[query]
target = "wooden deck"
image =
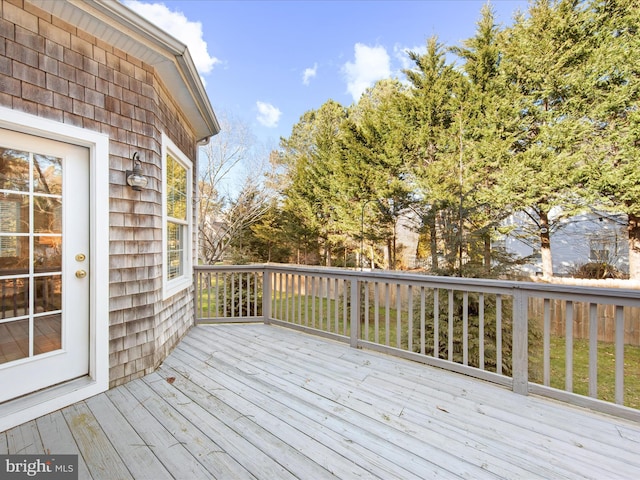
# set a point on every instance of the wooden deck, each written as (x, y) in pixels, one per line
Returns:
(258, 401)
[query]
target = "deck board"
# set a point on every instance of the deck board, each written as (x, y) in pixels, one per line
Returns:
(56, 437)
(265, 402)
(134, 453)
(96, 449)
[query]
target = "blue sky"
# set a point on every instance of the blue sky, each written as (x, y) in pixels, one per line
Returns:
(266, 62)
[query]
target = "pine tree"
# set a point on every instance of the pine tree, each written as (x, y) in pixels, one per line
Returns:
(542, 56)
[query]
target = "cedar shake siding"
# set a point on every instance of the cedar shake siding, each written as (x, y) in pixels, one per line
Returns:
(52, 69)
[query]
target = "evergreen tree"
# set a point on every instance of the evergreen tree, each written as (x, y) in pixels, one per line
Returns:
(543, 54)
(610, 95)
(429, 110)
(373, 168)
(309, 180)
(485, 141)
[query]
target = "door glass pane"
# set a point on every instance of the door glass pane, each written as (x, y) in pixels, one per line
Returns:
(14, 255)
(14, 340)
(47, 333)
(48, 293)
(14, 213)
(47, 254)
(30, 244)
(47, 175)
(14, 297)
(14, 170)
(47, 214)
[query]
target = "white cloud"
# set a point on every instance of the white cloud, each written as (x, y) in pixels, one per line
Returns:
(309, 73)
(177, 25)
(402, 55)
(268, 115)
(371, 64)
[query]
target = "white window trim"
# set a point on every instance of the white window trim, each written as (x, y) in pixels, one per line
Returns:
(176, 285)
(31, 406)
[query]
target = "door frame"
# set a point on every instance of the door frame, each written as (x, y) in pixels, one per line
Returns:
(31, 406)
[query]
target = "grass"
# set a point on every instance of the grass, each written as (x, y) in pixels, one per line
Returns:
(606, 370)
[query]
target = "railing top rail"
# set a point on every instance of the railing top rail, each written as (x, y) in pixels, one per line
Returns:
(619, 296)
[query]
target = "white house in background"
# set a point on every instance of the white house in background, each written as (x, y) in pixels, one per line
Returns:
(590, 237)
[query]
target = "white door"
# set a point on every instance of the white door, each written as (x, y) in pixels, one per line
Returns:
(44, 263)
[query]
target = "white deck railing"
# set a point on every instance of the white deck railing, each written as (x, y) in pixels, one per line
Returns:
(530, 337)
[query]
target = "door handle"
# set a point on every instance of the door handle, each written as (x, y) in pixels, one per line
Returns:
(81, 273)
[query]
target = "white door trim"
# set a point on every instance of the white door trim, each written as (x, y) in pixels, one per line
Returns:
(40, 403)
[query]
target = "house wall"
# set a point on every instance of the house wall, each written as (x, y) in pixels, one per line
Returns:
(572, 242)
(51, 69)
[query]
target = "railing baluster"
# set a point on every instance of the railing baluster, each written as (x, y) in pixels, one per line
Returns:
(225, 303)
(619, 355)
(328, 293)
(287, 307)
(568, 369)
(593, 350)
(499, 334)
(465, 328)
(256, 278)
(240, 303)
(267, 296)
(321, 300)
(520, 343)
(313, 302)
(355, 323)
(365, 286)
(387, 316)
(376, 295)
(300, 277)
(346, 300)
(398, 316)
(481, 331)
(279, 293)
(436, 323)
(546, 343)
(450, 331)
(233, 295)
(336, 306)
(422, 320)
(410, 319)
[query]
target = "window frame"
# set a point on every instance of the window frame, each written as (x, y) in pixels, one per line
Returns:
(171, 287)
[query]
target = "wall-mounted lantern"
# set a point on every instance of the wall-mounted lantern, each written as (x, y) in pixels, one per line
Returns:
(135, 178)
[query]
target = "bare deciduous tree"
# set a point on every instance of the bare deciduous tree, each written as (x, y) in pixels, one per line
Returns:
(232, 194)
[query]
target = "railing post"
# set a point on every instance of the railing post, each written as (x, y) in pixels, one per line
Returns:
(266, 296)
(355, 313)
(520, 345)
(197, 296)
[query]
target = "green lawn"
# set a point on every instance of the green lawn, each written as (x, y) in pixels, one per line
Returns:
(606, 370)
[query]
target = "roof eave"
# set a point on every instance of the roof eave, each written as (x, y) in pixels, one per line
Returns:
(120, 26)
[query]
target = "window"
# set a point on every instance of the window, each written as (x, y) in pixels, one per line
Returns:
(177, 218)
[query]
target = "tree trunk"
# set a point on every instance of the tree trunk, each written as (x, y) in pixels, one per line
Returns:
(545, 245)
(634, 247)
(387, 259)
(433, 242)
(487, 254)
(394, 259)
